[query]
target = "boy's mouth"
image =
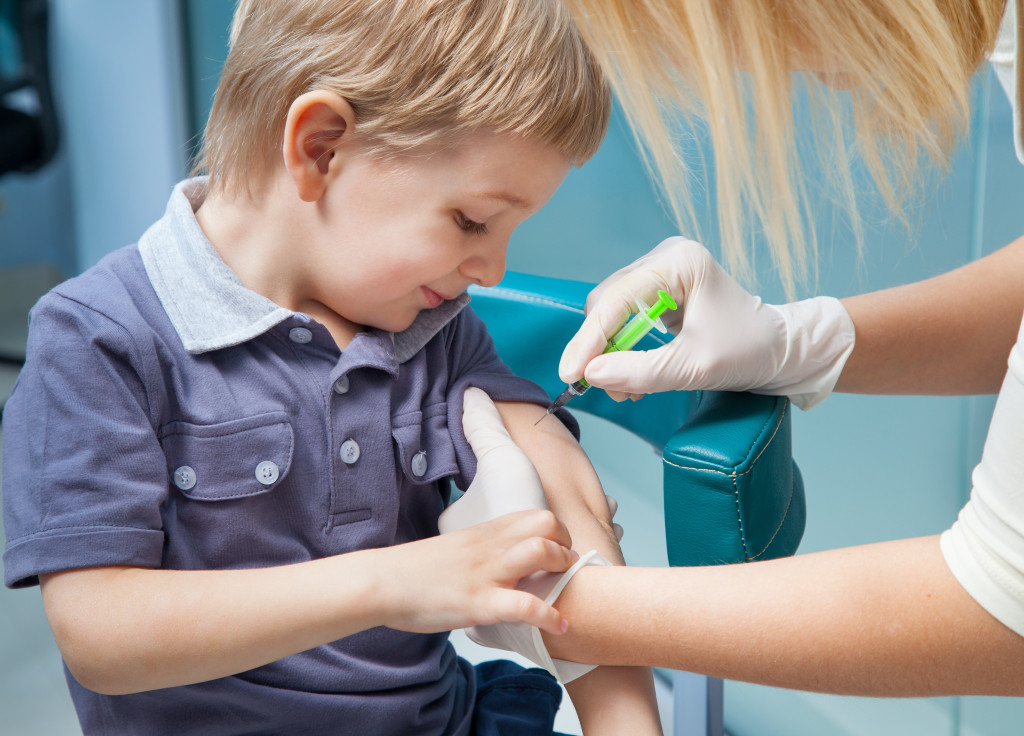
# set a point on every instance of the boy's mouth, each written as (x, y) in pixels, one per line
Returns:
(433, 298)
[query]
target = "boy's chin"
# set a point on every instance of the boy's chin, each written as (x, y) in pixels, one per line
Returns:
(396, 324)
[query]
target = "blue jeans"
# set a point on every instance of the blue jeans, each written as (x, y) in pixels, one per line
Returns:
(512, 701)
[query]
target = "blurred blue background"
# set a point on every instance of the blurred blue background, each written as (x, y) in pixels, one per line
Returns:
(134, 80)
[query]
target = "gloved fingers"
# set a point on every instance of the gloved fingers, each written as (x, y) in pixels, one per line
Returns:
(619, 396)
(592, 338)
(609, 307)
(482, 423)
(516, 606)
(634, 373)
(506, 482)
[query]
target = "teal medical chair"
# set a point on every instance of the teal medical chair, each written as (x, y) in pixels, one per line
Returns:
(732, 492)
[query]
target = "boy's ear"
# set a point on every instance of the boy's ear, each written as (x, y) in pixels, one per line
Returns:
(316, 124)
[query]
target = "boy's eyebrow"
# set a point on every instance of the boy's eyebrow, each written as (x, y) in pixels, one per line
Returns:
(507, 198)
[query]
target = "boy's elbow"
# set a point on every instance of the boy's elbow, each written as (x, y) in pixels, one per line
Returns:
(93, 662)
(86, 638)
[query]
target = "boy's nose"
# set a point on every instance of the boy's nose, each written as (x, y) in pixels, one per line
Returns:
(487, 267)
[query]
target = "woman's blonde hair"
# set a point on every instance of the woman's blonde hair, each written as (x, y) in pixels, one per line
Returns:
(725, 65)
(414, 71)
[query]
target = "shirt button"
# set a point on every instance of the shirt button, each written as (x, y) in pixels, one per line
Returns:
(185, 478)
(341, 385)
(419, 464)
(300, 335)
(349, 452)
(267, 472)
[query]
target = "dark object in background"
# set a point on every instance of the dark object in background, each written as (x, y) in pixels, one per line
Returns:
(28, 132)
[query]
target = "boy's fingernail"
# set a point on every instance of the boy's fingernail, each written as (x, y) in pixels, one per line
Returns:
(565, 625)
(575, 555)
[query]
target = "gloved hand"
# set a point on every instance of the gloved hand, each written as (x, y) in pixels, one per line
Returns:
(726, 339)
(505, 482)
(526, 640)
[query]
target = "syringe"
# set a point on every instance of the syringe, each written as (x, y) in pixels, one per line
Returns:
(628, 335)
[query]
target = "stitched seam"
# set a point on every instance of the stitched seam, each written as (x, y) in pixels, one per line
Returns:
(224, 433)
(739, 519)
(734, 473)
(785, 515)
(734, 476)
(135, 358)
(47, 531)
(524, 297)
(760, 434)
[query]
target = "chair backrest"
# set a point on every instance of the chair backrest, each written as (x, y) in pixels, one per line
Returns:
(732, 490)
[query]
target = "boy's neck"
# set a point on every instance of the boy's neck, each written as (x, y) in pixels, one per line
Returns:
(258, 240)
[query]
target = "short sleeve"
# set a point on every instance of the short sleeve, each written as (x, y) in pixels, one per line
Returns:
(474, 361)
(84, 476)
(1007, 63)
(985, 547)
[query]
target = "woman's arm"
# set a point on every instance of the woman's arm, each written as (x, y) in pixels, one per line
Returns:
(611, 700)
(947, 335)
(123, 630)
(885, 619)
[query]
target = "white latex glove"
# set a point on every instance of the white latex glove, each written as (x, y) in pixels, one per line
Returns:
(726, 339)
(525, 639)
(506, 482)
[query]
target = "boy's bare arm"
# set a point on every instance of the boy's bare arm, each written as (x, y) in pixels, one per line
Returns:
(611, 700)
(124, 629)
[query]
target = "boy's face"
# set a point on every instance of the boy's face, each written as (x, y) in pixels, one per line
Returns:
(401, 234)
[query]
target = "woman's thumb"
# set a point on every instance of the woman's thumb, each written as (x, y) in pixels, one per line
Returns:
(482, 423)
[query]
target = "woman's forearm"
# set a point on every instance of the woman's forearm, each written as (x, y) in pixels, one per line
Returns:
(885, 619)
(949, 335)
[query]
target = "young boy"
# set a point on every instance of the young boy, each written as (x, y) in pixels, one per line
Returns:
(225, 458)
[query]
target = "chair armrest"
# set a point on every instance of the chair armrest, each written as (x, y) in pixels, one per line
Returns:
(732, 490)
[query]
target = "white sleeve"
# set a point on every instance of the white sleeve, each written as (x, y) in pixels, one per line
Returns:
(985, 547)
(1007, 66)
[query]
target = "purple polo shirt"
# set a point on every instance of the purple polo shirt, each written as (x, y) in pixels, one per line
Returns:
(167, 417)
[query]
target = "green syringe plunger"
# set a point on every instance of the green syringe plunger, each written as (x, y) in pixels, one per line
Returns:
(628, 335)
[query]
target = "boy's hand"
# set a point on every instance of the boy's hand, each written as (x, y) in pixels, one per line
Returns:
(468, 577)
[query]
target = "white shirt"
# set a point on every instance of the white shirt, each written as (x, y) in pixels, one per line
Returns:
(985, 547)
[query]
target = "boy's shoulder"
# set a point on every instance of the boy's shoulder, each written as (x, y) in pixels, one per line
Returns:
(116, 288)
(104, 286)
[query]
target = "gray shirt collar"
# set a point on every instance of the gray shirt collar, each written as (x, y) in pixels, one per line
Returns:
(207, 303)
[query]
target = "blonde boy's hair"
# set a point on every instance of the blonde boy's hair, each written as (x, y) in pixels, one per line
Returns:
(911, 62)
(414, 71)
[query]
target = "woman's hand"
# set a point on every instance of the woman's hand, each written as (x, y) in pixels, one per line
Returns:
(726, 339)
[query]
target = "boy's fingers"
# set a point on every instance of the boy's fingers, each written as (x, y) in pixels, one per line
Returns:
(536, 554)
(515, 605)
(535, 523)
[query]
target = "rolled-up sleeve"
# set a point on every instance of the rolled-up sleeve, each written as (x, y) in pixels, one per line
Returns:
(985, 547)
(84, 476)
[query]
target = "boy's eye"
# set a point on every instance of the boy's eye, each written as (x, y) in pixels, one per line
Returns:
(470, 226)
